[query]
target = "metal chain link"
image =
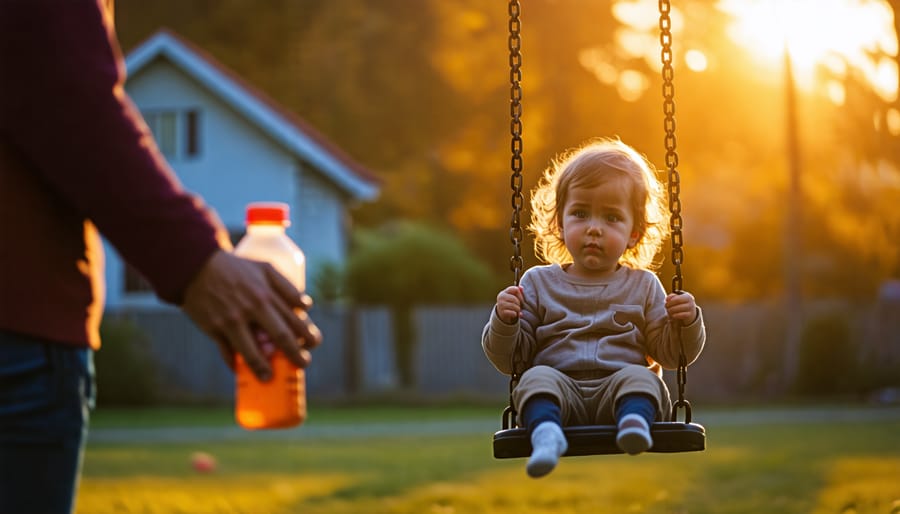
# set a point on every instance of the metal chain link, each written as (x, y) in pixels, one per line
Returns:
(674, 182)
(668, 89)
(516, 262)
(676, 222)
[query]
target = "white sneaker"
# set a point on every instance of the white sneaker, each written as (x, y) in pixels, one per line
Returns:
(548, 443)
(634, 434)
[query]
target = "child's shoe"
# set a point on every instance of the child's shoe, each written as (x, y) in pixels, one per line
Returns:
(548, 443)
(634, 434)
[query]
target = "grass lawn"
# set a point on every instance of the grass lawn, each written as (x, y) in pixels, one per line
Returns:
(767, 467)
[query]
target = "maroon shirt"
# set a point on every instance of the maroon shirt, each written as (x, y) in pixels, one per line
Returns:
(74, 154)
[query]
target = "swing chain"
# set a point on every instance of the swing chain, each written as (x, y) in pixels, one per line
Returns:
(682, 402)
(516, 263)
(676, 222)
(674, 187)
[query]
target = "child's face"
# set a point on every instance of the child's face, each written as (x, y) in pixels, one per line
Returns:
(598, 226)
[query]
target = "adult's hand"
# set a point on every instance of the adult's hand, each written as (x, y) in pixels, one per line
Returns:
(232, 295)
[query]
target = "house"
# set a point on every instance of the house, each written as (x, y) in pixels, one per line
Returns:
(232, 145)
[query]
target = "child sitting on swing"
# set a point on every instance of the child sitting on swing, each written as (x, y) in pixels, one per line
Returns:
(596, 322)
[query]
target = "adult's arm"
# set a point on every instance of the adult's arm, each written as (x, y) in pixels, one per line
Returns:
(62, 103)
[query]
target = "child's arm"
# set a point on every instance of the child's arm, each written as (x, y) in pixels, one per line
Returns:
(682, 307)
(509, 304)
(674, 312)
(503, 332)
(683, 311)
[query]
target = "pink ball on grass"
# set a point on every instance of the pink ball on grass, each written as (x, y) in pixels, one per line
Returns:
(203, 462)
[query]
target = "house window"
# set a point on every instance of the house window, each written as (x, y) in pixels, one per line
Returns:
(135, 282)
(192, 136)
(177, 132)
(163, 126)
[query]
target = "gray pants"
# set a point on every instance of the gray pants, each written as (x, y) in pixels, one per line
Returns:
(592, 401)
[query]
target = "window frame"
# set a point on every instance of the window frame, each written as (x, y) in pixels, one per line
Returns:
(178, 132)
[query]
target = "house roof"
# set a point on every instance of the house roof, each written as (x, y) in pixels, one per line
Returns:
(295, 134)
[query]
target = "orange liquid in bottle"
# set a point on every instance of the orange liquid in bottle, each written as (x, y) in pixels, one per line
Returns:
(281, 401)
(278, 403)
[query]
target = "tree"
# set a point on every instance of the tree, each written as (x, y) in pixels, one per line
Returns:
(407, 264)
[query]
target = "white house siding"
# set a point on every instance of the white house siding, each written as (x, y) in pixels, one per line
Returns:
(237, 164)
(320, 228)
(115, 283)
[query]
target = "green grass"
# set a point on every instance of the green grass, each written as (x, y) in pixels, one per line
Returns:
(224, 417)
(832, 467)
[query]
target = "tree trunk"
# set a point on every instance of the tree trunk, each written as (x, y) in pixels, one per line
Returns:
(895, 6)
(893, 149)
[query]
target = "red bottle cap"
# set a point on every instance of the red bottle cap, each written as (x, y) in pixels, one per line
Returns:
(268, 213)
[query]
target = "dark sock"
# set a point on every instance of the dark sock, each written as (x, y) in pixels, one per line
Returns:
(540, 408)
(640, 404)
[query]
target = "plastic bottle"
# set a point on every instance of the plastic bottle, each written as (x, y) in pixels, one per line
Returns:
(281, 401)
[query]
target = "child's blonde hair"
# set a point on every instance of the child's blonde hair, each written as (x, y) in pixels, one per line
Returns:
(593, 163)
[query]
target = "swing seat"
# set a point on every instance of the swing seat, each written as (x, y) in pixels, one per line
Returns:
(668, 437)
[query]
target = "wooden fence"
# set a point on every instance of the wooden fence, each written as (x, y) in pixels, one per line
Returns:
(743, 357)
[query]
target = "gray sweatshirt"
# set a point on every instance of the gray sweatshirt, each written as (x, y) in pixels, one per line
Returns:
(578, 324)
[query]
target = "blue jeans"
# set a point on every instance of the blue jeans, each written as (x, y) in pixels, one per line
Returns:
(46, 393)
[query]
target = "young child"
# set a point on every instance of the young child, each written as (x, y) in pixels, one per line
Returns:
(597, 323)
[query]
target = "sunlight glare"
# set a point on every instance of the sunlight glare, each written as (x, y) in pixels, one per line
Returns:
(639, 34)
(595, 60)
(642, 15)
(819, 32)
(637, 38)
(696, 60)
(836, 92)
(893, 122)
(885, 79)
(632, 85)
(638, 44)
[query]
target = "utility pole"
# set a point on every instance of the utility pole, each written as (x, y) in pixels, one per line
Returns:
(793, 234)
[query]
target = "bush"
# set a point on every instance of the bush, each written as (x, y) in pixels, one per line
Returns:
(415, 264)
(124, 368)
(409, 264)
(327, 285)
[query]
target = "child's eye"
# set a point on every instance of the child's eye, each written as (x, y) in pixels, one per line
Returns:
(613, 218)
(579, 213)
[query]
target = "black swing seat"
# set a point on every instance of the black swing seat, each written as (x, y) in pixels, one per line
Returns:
(668, 437)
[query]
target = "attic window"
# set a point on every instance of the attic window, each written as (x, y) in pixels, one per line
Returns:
(177, 132)
(162, 124)
(191, 125)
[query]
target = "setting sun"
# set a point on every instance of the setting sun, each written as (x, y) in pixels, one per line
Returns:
(835, 34)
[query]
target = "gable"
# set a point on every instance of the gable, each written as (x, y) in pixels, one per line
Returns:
(285, 129)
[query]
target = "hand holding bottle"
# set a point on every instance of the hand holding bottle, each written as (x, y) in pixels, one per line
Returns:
(231, 294)
(281, 401)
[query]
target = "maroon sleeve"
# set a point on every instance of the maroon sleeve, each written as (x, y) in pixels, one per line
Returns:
(62, 103)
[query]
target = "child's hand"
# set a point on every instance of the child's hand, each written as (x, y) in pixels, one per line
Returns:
(509, 304)
(682, 307)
